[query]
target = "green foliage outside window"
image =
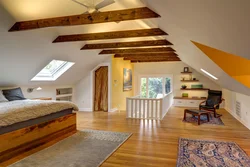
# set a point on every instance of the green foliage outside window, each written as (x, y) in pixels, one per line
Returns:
(155, 87)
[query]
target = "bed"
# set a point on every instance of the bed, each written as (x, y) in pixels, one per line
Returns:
(27, 124)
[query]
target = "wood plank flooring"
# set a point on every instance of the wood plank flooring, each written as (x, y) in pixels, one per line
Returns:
(155, 143)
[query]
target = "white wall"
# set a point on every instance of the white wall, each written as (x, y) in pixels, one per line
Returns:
(84, 89)
(175, 69)
(82, 96)
(230, 105)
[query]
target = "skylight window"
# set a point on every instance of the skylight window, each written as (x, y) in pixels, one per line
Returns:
(212, 76)
(53, 70)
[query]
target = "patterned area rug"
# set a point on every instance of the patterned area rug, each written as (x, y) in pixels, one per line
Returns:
(213, 120)
(201, 153)
(88, 148)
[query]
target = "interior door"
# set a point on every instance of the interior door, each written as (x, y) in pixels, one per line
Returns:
(101, 89)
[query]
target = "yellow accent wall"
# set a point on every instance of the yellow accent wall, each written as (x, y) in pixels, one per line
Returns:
(235, 66)
(118, 95)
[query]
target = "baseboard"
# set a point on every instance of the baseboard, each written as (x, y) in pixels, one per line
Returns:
(237, 117)
(113, 110)
(85, 109)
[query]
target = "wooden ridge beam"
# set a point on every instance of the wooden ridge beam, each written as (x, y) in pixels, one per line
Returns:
(127, 44)
(146, 55)
(83, 19)
(156, 60)
(138, 50)
(150, 58)
(111, 35)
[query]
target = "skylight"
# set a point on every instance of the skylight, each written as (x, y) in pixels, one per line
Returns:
(53, 70)
(209, 74)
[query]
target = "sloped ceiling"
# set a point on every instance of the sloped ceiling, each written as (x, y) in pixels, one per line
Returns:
(23, 54)
(222, 24)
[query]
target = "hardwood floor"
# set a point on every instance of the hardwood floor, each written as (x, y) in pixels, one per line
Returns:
(155, 143)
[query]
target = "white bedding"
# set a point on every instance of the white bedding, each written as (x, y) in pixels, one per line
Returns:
(23, 110)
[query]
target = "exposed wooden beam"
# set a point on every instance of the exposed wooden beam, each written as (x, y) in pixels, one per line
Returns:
(111, 35)
(153, 58)
(156, 60)
(83, 19)
(138, 50)
(150, 58)
(146, 55)
(127, 44)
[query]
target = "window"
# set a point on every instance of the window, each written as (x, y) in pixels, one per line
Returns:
(155, 86)
(53, 70)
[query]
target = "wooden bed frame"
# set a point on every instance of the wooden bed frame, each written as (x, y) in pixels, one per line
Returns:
(23, 140)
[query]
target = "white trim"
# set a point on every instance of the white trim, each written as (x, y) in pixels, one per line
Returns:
(85, 110)
(113, 110)
(92, 85)
(238, 118)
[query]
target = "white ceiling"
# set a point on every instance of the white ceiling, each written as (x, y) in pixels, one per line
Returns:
(222, 24)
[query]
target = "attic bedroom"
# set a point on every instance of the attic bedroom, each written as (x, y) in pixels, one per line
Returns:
(109, 83)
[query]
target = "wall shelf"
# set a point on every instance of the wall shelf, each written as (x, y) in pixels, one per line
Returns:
(189, 80)
(186, 72)
(201, 89)
(64, 94)
(189, 98)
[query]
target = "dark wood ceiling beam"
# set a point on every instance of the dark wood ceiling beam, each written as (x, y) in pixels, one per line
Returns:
(138, 50)
(150, 58)
(146, 55)
(111, 35)
(83, 19)
(127, 44)
(157, 60)
(153, 58)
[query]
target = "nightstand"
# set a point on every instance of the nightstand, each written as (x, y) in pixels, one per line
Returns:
(42, 98)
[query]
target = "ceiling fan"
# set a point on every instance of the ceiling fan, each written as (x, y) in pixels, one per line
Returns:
(92, 7)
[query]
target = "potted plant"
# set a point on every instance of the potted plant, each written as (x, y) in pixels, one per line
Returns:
(184, 86)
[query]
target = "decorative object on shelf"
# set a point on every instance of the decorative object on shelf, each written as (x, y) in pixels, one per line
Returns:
(186, 69)
(194, 79)
(197, 86)
(183, 78)
(190, 77)
(184, 86)
(184, 94)
(127, 79)
(203, 97)
(30, 90)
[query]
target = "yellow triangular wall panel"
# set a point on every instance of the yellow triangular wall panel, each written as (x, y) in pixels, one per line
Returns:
(235, 66)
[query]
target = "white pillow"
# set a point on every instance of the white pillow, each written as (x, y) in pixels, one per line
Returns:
(2, 98)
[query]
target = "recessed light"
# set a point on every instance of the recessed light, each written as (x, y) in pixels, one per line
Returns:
(209, 74)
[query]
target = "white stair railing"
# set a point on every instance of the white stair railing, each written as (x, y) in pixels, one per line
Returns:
(148, 108)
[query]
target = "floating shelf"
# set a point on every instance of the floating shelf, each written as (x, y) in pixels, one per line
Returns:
(190, 98)
(202, 89)
(189, 80)
(63, 95)
(186, 72)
